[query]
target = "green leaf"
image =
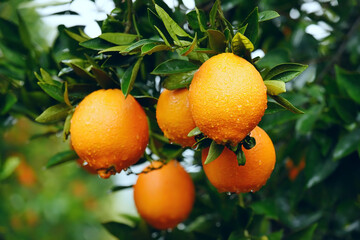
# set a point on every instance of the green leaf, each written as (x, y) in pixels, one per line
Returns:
(240, 156)
(214, 152)
(306, 233)
(276, 235)
(217, 40)
(67, 124)
(275, 87)
(241, 45)
(62, 157)
(163, 36)
(150, 48)
(197, 20)
(180, 80)
(75, 36)
(81, 72)
(350, 81)
(7, 103)
(129, 77)
(285, 72)
(252, 23)
(46, 77)
(146, 101)
(54, 113)
(137, 45)
(24, 32)
(186, 51)
(173, 66)
(347, 144)
(9, 166)
(213, 13)
(115, 49)
(286, 104)
(266, 207)
(267, 15)
(119, 38)
(119, 230)
(171, 26)
(96, 44)
(194, 132)
(273, 107)
(119, 188)
(104, 80)
(53, 91)
(307, 121)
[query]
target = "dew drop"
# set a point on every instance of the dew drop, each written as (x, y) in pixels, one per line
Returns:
(228, 193)
(252, 190)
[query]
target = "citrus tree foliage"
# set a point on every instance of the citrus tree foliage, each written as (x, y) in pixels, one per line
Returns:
(145, 45)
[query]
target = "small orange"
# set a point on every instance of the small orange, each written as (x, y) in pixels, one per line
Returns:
(227, 98)
(227, 176)
(295, 170)
(108, 131)
(164, 197)
(174, 116)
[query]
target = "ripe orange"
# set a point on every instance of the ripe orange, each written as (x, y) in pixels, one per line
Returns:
(295, 170)
(227, 176)
(174, 116)
(164, 197)
(108, 131)
(227, 98)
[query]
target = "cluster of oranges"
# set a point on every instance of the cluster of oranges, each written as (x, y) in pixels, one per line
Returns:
(225, 101)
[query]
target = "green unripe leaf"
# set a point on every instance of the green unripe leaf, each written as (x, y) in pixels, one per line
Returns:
(214, 152)
(54, 113)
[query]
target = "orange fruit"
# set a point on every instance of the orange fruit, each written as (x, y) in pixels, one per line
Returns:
(164, 197)
(227, 176)
(108, 131)
(295, 170)
(227, 98)
(174, 116)
(84, 165)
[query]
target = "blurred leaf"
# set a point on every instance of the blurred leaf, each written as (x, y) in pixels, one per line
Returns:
(267, 15)
(266, 208)
(241, 45)
(286, 104)
(345, 107)
(238, 235)
(350, 82)
(9, 166)
(53, 91)
(320, 172)
(24, 33)
(252, 22)
(75, 36)
(306, 121)
(217, 40)
(129, 77)
(96, 44)
(7, 102)
(347, 144)
(119, 188)
(273, 107)
(213, 13)
(81, 72)
(275, 87)
(276, 235)
(214, 152)
(61, 158)
(119, 38)
(179, 80)
(119, 230)
(173, 66)
(146, 101)
(285, 72)
(304, 234)
(9, 30)
(54, 113)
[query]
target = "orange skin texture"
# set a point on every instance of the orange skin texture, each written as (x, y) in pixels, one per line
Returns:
(108, 131)
(164, 197)
(174, 116)
(227, 176)
(227, 98)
